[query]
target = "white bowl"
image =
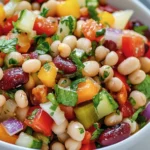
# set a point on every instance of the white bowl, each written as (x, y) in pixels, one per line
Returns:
(143, 14)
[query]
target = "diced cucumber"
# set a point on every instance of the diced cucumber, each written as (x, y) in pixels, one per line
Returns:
(54, 111)
(86, 114)
(26, 21)
(93, 3)
(28, 141)
(44, 139)
(66, 26)
(104, 104)
(79, 53)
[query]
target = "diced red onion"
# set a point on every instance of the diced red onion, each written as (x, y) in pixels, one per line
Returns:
(146, 112)
(12, 126)
(114, 35)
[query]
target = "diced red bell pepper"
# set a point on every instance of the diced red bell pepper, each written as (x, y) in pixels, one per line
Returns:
(39, 121)
(120, 56)
(148, 52)
(90, 146)
(87, 138)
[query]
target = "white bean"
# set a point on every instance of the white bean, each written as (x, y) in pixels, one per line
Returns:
(85, 44)
(71, 144)
(106, 73)
(114, 84)
(1, 73)
(91, 68)
(35, 6)
(70, 40)
(133, 125)
(59, 129)
(23, 5)
(145, 64)
(78, 30)
(2, 100)
(113, 119)
(139, 98)
(64, 50)
(57, 146)
(31, 65)
(76, 130)
(101, 52)
(137, 77)
(63, 137)
(30, 84)
(129, 65)
(54, 48)
(45, 58)
(21, 99)
(111, 59)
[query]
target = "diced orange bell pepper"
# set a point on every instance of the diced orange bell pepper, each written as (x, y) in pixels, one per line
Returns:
(47, 74)
(68, 7)
(106, 18)
(2, 14)
(87, 90)
(4, 136)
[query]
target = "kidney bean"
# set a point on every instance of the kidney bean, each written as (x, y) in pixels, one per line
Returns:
(66, 65)
(110, 45)
(32, 55)
(13, 78)
(108, 8)
(114, 135)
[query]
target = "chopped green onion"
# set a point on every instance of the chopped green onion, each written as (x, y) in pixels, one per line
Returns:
(100, 32)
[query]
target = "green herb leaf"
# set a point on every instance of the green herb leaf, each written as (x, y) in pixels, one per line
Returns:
(7, 46)
(13, 61)
(140, 29)
(44, 12)
(32, 116)
(47, 66)
(132, 101)
(66, 96)
(93, 3)
(100, 32)
(94, 46)
(81, 130)
(55, 37)
(29, 130)
(74, 84)
(135, 115)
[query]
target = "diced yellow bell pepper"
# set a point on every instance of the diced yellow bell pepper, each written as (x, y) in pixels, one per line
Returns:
(106, 18)
(68, 7)
(47, 74)
(2, 14)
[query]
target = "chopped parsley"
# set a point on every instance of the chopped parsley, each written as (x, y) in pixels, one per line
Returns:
(47, 66)
(132, 101)
(44, 12)
(118, 112)
(100, 32)
(33, 114)
(81, 130)
(105, 75)
(141, 29)
(7, 46)
(135, 115)
(94, 46)
(51, 97)
(13, 61)
(55, 37)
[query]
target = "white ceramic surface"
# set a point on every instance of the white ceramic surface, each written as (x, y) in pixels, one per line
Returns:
(141, 13)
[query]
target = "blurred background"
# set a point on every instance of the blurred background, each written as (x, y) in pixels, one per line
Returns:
(146, 2)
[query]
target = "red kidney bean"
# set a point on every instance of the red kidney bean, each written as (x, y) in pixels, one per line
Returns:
(115, 134)
(32, 55)
(13, 78)
(108, 8)
(110, 45)
(66, 65)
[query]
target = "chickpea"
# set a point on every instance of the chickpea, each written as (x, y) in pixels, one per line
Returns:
(76, 130)
(85, 44)
(30, 84)
(52, 6)
(63, 137)
(113, 119)
(137, 76)
(70, 40)
(64, 50)
(78, 30)
(31, 65)
(44, 58)
(145, 64)
(129, 65)
(64, 82)
(54, 48)
(97, 79)
(35, 6)
(59, 129)
(101, 52)
(21, 99)
(134, 127)
(106, 72)
(57, 146)
(91, 68)
(114, 84)
(23, 5)
(1, 73)
(71, 144)
(139, 98)
(111, 59)
(14, 59)
(2, 100)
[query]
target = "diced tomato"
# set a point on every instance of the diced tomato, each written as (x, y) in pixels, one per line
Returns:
(126, 109)
(89, 29)
(46, 26)
(122, 78)
(1, 30)
(90, 146)
(39, 121)
(92, 128)
(132, 46)
(69, 112)
(40, 1)
(8, 25)
(87, 138)
(120, 56)
(148, 52)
